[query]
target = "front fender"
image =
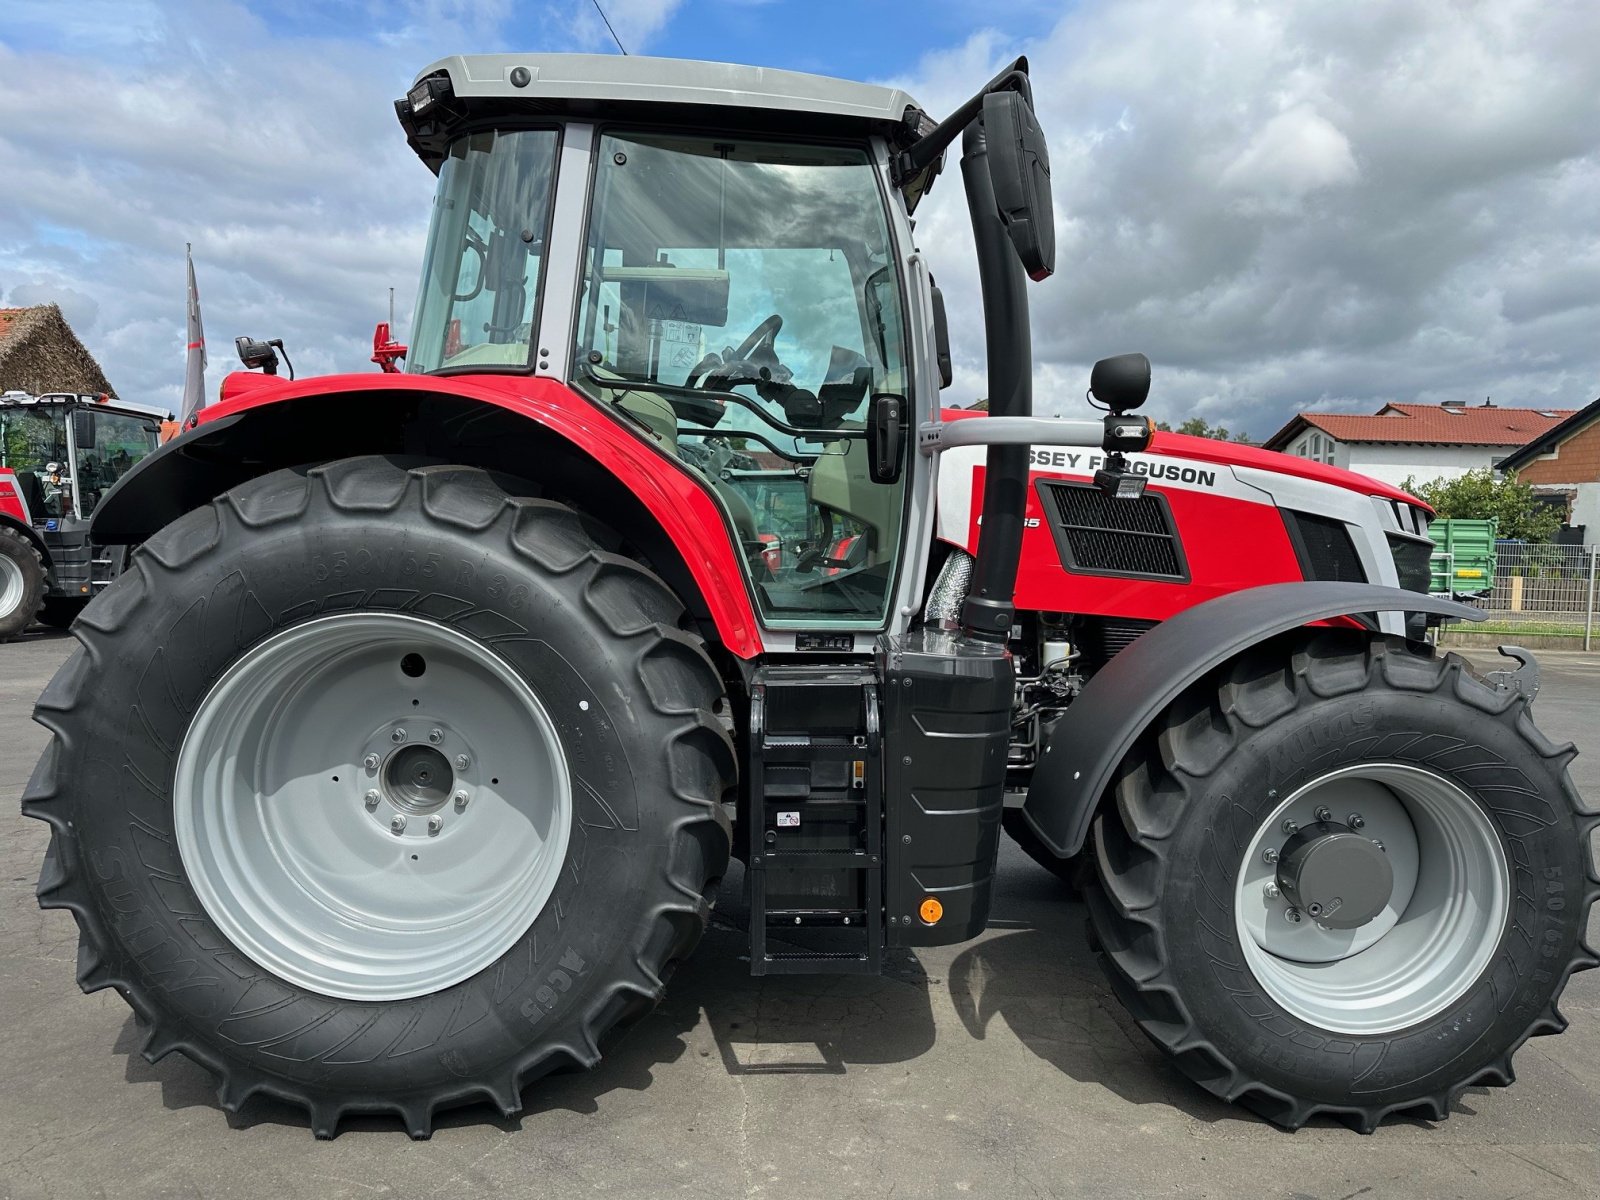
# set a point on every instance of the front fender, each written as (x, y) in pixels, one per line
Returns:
(531, 428)
(1083, 750)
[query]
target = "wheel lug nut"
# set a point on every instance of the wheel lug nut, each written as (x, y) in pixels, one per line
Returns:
(1271, 890)
(1314, 908)
(1269, 855)
(398, 825)
(1323, 814)
(399, 735)
(435, 823)
(461, 800)
(462, 762)
(1356, 821)
(436, 736)
(370, 762)
(1292, 916)
(1291, 826)
(372, 798)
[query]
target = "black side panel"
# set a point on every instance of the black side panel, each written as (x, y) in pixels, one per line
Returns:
(1120, 700)
(947, 723)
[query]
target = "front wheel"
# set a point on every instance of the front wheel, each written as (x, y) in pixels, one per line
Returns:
(377, 789)
(1352, 879)
(21, 583)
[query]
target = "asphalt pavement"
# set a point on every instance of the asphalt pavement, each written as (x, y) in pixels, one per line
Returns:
(1003, 1067)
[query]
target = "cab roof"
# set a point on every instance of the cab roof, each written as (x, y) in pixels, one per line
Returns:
(674, 89)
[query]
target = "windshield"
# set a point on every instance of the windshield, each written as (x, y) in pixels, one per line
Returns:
(747, 291)
(32, 440)
(481, 273)
(109, 443)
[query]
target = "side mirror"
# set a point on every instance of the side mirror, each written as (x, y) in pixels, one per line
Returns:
(83, 428)
(941, 339)
(886, 435)
(1122, 382)
(1019, 167)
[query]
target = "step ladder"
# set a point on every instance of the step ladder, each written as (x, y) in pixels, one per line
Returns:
(816, 836)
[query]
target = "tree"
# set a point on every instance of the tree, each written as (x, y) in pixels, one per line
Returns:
(1479, 495)
(1197, 427)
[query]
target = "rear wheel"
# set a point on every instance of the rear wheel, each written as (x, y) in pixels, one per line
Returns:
(1352, 879)
(21, 582)
(400, 792)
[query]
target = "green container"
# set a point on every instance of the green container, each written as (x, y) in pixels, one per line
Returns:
(1463, 556)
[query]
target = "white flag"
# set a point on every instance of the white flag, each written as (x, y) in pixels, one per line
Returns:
(194, 378)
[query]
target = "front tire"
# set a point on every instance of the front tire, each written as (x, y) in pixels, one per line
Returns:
(276, 893)
(1433, 939)
(22, 580)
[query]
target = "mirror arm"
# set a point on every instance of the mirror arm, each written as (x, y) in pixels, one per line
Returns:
(924, 151)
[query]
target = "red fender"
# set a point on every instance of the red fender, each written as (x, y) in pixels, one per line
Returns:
(686, 512)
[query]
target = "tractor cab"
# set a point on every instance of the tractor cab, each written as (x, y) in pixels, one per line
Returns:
(720, 257)
(60, 453)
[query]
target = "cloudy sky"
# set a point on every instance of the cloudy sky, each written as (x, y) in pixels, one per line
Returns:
(1285, 204)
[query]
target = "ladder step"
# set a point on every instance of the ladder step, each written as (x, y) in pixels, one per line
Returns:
(798, 962)
(815, 860)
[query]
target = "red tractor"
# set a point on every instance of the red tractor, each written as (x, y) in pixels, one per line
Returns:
(403, 764)
(59, 453)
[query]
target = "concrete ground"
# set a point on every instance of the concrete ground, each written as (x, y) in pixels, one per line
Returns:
(1000, 1068)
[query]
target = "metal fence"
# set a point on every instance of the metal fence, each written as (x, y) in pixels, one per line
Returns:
(1546, 586)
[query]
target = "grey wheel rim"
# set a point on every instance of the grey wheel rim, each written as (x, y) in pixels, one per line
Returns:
(1437, 932)
(372, 806)
(12, 586)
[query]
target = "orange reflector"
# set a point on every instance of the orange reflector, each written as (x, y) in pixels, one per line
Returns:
(931, 911)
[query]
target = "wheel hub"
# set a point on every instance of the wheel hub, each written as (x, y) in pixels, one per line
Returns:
(1335, 874)
(418, 779)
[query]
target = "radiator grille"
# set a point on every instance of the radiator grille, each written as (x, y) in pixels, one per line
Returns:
(1324, 548)
(1099, 534)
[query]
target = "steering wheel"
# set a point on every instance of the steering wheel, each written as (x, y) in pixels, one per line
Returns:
(764, 332)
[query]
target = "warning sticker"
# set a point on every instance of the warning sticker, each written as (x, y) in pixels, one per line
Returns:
(788, 820)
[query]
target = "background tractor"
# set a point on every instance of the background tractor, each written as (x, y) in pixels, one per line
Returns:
(402, 766)
(59, 454)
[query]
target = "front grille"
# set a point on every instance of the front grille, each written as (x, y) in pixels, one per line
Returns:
(1097, 534)
(1413, 559)
(1324, 548)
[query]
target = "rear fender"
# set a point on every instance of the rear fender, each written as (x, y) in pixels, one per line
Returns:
(526, 428)
(1085, 747)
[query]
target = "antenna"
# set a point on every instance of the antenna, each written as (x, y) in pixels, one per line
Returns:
(609, 30)
(391, 308)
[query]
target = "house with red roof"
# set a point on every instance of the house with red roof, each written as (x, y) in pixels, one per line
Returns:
(1564, 464)
(1424, 441)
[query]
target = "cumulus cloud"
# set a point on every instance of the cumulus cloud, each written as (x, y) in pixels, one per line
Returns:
(1301, 205)
(1286, 205)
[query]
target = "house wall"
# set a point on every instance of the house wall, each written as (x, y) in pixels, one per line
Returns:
(1395, 462)
(1576, 460)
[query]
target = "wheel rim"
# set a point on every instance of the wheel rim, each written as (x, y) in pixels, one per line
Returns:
(318, 832)
(1436, 933)
(12, 586)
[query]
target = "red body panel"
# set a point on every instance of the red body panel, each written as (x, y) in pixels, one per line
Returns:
(1227, 545)
(11, 502)
(690, 517)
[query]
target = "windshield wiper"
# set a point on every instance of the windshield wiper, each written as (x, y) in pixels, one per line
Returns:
(627, 384)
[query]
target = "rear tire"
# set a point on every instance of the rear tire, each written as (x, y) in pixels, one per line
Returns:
(21, 583)
(152, 807)
(1406, 1011)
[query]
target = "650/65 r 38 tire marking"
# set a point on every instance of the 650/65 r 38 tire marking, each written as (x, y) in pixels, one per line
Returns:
(595, 637)
(1291, 1020)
